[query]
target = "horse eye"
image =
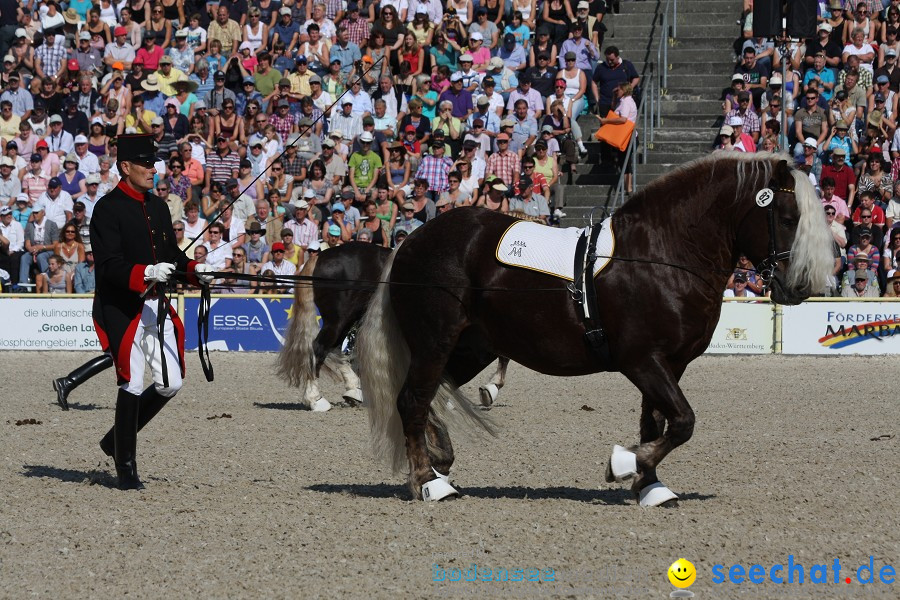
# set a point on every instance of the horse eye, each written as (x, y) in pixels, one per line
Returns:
(789, 223)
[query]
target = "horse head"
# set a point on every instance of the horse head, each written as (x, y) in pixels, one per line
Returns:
(786, 236)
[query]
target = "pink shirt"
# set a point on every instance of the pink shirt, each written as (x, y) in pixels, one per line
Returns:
(840, 207)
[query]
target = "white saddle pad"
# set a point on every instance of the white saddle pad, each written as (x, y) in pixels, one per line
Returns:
(551, 250)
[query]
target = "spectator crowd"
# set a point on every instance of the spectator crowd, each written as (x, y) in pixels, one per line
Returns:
(839, 103)
(324, 121)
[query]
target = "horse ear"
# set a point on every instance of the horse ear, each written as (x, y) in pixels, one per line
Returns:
(783, 172)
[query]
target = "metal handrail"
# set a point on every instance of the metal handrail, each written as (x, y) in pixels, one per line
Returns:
(650, 111)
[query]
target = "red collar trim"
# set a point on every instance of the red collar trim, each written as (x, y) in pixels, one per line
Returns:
(130, 191)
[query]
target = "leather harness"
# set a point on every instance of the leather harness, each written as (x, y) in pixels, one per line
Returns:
(585, 294)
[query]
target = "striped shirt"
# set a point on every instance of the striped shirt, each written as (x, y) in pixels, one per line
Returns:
(222, 168)
(304, 232)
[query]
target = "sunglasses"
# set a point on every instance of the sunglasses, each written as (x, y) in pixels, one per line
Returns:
(278, 251)
(831, 212)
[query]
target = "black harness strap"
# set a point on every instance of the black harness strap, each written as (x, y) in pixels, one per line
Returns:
(203, 332)
(585, 294)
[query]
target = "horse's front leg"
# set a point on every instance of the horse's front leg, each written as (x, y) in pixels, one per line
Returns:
(663, 403)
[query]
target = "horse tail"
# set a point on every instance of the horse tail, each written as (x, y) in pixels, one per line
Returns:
(383, 364)
(297, 360)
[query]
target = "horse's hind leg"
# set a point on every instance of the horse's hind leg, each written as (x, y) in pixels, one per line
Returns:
(440, 449)
(463, 366)
(490, 391)
(663, 403)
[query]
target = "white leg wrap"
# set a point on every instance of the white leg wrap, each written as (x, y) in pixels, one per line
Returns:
(440, 476)
(321, 405)
(353, 395)
(623, 463)
(437, 489)
(655, 494)
(489, 394)
(312, 392)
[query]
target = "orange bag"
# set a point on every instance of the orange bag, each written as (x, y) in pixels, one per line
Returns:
(617, 136)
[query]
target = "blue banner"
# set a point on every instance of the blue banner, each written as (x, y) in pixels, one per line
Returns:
(248, 324)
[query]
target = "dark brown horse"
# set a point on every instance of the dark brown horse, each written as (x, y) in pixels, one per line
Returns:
(451, 308)
(343, 281)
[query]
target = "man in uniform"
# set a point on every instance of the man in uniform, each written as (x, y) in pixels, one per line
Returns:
(136, 253)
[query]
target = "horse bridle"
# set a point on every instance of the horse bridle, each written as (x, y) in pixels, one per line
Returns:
(766, 269)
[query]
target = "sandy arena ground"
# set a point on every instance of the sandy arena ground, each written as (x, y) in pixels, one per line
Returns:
(790, 456)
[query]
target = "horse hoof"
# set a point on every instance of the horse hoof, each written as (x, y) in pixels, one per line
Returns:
(622, 465)
(353, 397)
(489, 394)
(321, 405)
(437, 489)
(657, 494)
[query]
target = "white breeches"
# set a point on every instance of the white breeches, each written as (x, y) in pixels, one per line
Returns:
(146, 350)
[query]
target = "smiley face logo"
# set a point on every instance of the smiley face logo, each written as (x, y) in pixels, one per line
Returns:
(682, 573)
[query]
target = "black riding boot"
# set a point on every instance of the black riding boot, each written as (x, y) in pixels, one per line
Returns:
(126, 428)
(64, 385)
(150, 404)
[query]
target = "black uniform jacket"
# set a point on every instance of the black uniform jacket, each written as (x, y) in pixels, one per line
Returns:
(130, 230)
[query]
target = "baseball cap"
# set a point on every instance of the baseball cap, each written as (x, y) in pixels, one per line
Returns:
(232, 182)
(54, 182)
(165, 60)
(81, 139)
(328, 143)
(181, 33)
(495, 63)
(570, 56)
(825, 27)
(337, 206)
(841, 125)
(811, 142)
(482, 101)
(547, 128)
(278, 246)
(313, 79)
(120, 31)
(890, 52)
(284, 11)
(476, 35)
(84, 35)
(524, 182)
(5, 211)
(865, 231)
(457, 76)
(737, 77)
(334, 230)
(54, 119)
(882, 79)
(23, 198)
(726, 130)
(509, 39)
(466, 58)
(92, 178)
(36, 157)
(301, 204)
(309, 193)
(862, 274)
(735, 120)
(410, 128)
(839, 152)
(582, 4)
(740, 277)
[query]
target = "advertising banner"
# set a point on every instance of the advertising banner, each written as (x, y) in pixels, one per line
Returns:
(255, 324)
(743, 328)
(841, 328)
(47, 324)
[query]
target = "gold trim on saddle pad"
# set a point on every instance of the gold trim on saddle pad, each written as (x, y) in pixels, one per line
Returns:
(550, 250)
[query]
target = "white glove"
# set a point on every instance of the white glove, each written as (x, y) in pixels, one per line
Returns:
(159, 272)
(203, 268)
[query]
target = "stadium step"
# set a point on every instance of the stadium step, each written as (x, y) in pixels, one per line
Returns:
(705, 7)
